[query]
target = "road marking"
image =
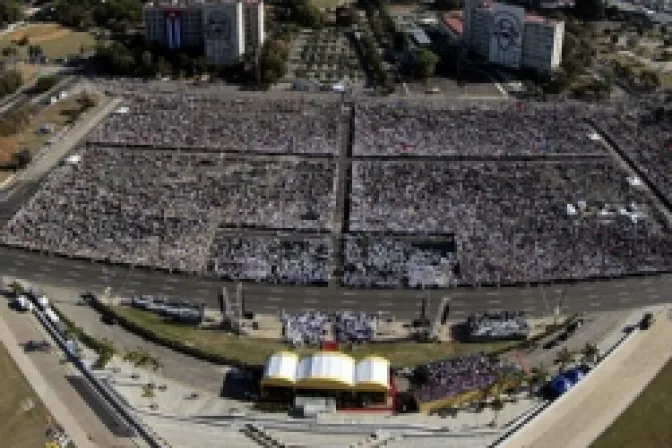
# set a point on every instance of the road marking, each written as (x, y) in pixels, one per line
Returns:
(588, 288)
(622, 293)
(650, 290)
(135, 283)
(277, 290)
(624, 299)
(19, 263)
(594, 304)
(458, 312)
(350, 293)
(530, 309)
(348, 302)
(270, 307)
(494, 302)
(172, 280)
(168, 288)
(386, 304)
(274, 299)
(69, 280)
(592, 296)
(654, 297)
(40, 274)
(492, 293)
(620, 285)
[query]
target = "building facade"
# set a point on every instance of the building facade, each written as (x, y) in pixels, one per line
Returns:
(223, 30)
(505, 35)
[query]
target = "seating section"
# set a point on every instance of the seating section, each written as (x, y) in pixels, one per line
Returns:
(454, 376)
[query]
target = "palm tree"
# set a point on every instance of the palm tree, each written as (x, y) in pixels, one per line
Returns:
(497, 405)
(537, 378)
(133, 357)
(590, 353)
(564, 357)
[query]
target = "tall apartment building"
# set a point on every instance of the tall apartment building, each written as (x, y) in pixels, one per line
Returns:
(506, 35)
(223, 29)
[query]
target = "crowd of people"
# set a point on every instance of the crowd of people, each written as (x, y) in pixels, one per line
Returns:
(386, 261)
(183, 181)
(494, 129)
(497, 325)
(300, 260)
(510, 219)
(166, 209)
(455, 376)
(239, 125)
(644, 134)
(311, 328)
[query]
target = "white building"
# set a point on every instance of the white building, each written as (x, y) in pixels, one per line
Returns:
(506, 35)
(224, 29)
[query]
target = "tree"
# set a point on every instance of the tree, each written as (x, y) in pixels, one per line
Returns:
(538, 377)
(106, 351)
(425, 63)
(563, 358)
(497, 405)
(21, 159)
(273, 61)
(590, 353)
(589, 9)
(35, 51)
(45, 83)
(10, 11)
(649, 79)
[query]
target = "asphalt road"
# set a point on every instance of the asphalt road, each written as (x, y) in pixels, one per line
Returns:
(264, 298)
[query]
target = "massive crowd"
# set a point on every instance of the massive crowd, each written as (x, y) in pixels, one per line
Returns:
(492, 130)
(243, 125)
(454, 376)
(182, 181)
(167, 210)
(644, 134)
(510, 219)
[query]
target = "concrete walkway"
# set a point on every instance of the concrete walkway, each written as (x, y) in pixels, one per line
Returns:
(578, 418)
(60, 412)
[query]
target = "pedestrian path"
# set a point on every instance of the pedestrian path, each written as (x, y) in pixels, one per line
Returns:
(57, 408)
(579, 417)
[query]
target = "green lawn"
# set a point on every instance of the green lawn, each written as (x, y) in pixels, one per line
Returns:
(646, 423)
(20, 426)
(255, 351)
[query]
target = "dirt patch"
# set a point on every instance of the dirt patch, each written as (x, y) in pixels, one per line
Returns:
(8, 146)
(27, 71)
(37, 33)
(50, 36)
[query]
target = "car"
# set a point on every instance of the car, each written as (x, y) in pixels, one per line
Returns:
(108, 319)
